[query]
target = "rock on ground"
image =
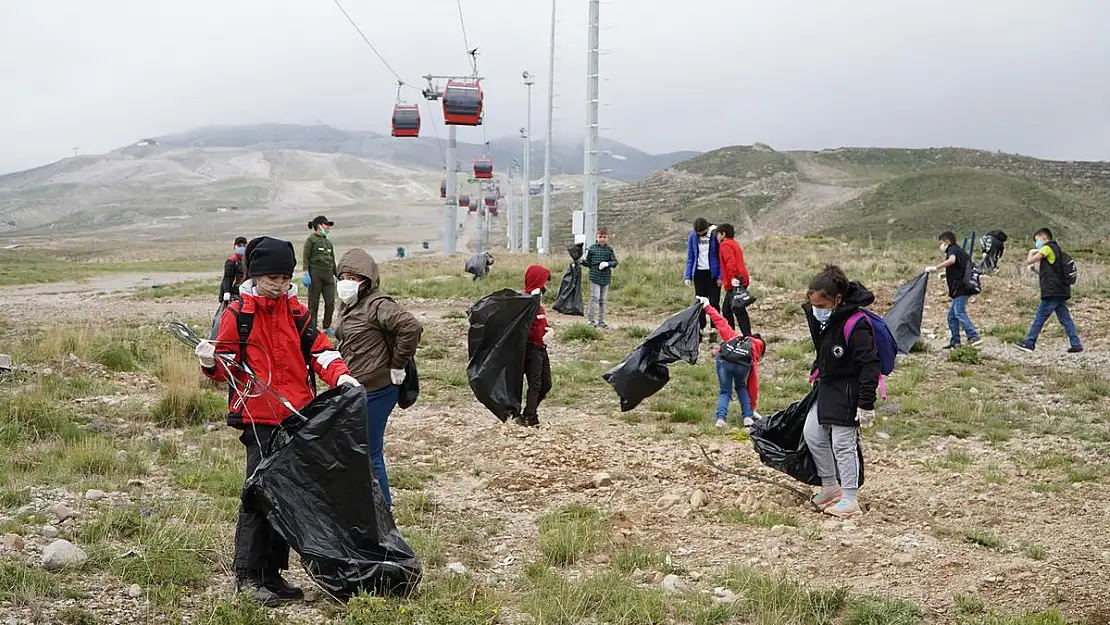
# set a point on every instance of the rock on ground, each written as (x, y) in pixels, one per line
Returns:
(62, 554)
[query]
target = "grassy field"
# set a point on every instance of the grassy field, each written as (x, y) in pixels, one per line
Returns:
(987, 470)
(25, 267)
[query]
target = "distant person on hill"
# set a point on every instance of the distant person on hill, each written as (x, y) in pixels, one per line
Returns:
(319, 270)
(703, 266)
(955, 265)
(1056, 274)
(377, 339)
(537, 365)
(273, 333)
(234, 271)
(737, 368)
(846, 372)
(734, 275)
(601, 260)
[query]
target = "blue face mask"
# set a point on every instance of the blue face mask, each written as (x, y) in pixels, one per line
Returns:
(240, 250)
(822, 315)
(1039, 243)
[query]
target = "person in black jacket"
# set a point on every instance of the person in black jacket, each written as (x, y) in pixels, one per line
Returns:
(847, 376)
(1055, 291)
(235, 272)
(955, 265)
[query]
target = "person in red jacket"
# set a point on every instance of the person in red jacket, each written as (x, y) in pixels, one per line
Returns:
(272, 333)
(733, 274)
(537, 366)
(737, 368)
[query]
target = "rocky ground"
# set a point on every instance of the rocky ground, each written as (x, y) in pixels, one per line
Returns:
(987, 481)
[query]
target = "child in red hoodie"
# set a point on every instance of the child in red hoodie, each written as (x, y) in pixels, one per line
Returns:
(737, 367)
(537, 367)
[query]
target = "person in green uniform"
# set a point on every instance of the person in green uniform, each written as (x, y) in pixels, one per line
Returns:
(319, 270)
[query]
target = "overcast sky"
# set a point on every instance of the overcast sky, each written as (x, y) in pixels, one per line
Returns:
(1018, 75)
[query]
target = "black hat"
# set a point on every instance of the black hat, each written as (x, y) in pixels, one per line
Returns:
(240, 240)
(267, 256)
(320, 221)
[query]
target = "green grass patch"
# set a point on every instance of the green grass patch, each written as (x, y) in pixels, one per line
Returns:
(644, 558)
(758, 518)
(580, 332)
(882, 611)
(984, 539)
(777, 599)
(181, 407)
(443, 599)
(965, 354)
(22, 584)
(1008, 333)
(571, 533)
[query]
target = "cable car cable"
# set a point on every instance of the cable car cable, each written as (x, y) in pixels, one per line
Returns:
(466, 42)
(435, 129)
(371, 44)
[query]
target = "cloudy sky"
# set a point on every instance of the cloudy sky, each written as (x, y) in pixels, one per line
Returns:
(1024, 76)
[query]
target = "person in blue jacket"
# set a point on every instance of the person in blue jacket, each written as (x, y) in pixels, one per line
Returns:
(703, 264)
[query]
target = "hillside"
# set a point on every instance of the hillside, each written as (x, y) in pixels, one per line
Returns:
(622, 162)
(863, 192)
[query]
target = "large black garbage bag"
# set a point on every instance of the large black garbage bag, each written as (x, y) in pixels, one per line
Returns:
(644, 372)
(780, 444)
(496, 341)
(478, 265)
(569, 299)
(316, 489)
(904, 316)
(409, 390)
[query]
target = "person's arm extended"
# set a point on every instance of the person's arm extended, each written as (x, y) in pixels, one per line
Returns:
(719, 322)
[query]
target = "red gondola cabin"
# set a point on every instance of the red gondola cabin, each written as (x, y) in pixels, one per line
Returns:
(464, 201)
(491, 202)
(483, 167)
(442, 188)
(462, 103)
(406, 120)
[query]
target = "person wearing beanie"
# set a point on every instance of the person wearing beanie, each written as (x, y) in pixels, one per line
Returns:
(271, 332)
(320, 273)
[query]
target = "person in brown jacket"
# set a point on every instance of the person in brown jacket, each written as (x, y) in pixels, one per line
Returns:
(377, 339)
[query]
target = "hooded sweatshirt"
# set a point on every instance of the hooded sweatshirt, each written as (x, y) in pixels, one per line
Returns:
(727, 334)
(375, 334)
(536, 277)
(847, 371)
(732, 264)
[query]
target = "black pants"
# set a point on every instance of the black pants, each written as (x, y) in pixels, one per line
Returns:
(734, 319)
(257, 546)
(537, 368)
(322, 283)
(706, 286)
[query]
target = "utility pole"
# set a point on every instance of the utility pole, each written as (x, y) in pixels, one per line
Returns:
(590, 169)
(451, 166)
(546, 230)
(510, 211)
(526, 133)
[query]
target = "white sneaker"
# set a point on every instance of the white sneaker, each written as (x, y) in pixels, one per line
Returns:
(749, 422)
(721, 423)
(757, 416)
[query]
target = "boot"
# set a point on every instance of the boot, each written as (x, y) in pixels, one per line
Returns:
(283, 589)
(531, 420)
(250, 582)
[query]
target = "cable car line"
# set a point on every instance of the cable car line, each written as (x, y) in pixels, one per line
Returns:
(371, 44)
(473, 54)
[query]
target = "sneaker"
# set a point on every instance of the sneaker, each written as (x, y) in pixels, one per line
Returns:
(602, 324)
(283, 589)
(844, 510)
(951, 346)
(822, 500)
(591, 324)
(976, 342)
(1025, 347)
(1075, 350)
(721, 424)
(757, 416)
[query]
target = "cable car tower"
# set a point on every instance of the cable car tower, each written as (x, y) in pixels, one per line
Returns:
(462, 100)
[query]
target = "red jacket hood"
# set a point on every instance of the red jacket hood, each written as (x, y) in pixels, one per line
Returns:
(536, 277)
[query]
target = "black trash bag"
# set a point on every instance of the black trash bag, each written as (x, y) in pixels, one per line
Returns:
(316, 489)
(644, 372)
(780, 444)
(569, 299)
(216, 321)
(904, 316)
(409, 391)
(496, 341)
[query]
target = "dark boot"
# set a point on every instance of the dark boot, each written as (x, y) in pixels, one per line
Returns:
(283, 589)
(250, 582)
(531, 420)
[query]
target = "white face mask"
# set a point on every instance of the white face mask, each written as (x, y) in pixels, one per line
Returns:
(944, 247)
(347, 290)
(822, 315)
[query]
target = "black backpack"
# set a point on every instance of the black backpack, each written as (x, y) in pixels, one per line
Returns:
(737, 351)
(973, 279)
(305, 329)
(1067, 266)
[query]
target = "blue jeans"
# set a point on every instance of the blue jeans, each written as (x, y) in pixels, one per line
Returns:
(1044, 311)
(379, 404)
(730, 376)
(957, 318)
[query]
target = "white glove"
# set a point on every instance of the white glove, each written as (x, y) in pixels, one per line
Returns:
(702, 301)
(397, 376)
(929, 269)
(547, 334)
(603, 264)
(535, 292)
(735, 282)
(206, 353)
(686, 282)
(865, 418)
(227, 297)
(348, 379)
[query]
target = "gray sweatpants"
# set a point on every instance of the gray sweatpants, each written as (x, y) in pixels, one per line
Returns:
(834, 451)
(599, 297)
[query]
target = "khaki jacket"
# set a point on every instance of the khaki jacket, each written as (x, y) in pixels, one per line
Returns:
(374, 333)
